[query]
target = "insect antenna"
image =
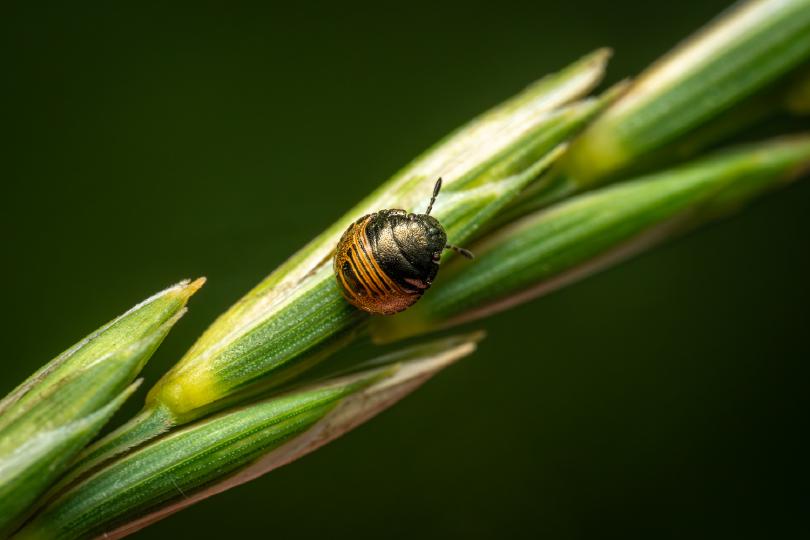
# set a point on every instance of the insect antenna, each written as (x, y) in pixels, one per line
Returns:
(436, 190)
(461, 251)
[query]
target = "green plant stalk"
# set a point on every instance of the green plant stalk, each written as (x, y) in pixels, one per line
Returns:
(299, 307)
(220, 452)
(742, 52)
(580, 231)
(572, 239)
(297, 316)
(55, 413)
(779, 99)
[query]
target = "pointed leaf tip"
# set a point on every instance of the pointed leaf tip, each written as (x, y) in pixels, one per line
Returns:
(65, 404)
(195, 285)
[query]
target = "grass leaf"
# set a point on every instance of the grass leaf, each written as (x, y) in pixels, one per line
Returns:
(47, 420)
(215, 454)
(297, 316)
(568, 241)
(743, 51)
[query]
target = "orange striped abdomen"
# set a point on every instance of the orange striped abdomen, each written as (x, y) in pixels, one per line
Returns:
(361, 279)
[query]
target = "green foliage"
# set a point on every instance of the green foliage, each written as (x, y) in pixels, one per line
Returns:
(47, 420)
(223, 451)
(505, 175)
(552, 247)
(752, 46)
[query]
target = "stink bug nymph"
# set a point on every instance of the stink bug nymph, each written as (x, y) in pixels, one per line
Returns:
(385, 261)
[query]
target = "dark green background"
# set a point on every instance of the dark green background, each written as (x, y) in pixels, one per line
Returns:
(149, 144)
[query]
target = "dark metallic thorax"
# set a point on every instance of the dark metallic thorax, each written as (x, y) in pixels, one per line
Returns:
(407, 246)
(385, 261)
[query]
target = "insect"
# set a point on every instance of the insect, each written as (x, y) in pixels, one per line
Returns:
(385, 261)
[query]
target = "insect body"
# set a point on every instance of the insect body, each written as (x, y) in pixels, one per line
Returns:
(385, 261)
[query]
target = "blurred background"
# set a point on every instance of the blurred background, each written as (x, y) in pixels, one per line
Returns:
(145, 144)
